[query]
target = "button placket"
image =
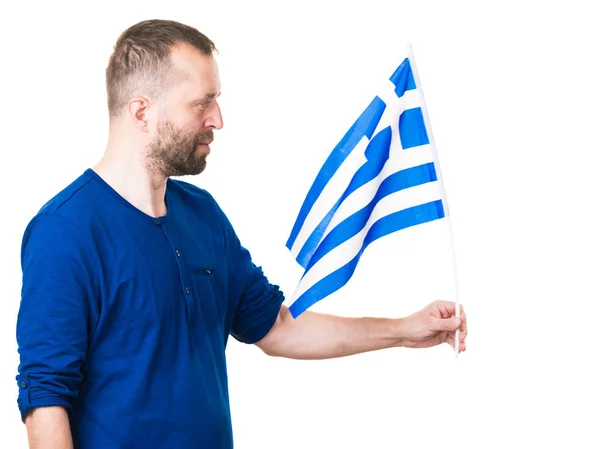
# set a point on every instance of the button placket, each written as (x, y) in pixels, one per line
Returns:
(187, 297)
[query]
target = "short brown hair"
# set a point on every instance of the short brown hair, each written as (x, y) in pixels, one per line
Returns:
(141, 60)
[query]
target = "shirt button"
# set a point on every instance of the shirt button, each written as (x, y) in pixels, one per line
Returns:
(23, 384)
(158, 221)
(208, 271)
(178, 253)
(187, 290)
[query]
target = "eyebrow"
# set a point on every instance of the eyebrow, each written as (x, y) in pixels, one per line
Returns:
(207, 98)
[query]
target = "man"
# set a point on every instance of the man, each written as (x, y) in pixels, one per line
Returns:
(133, 281)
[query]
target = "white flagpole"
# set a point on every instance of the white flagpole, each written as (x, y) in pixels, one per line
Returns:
(438, 170)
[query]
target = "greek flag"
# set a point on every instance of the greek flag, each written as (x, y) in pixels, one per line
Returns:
(382, 177)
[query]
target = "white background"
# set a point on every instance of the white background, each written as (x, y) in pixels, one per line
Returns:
(512, 94)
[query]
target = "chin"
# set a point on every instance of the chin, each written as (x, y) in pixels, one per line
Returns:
(198, 170)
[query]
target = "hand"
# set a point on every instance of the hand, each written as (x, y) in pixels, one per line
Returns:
(433, 325)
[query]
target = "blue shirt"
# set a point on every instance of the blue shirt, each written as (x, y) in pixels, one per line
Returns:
(124, 318)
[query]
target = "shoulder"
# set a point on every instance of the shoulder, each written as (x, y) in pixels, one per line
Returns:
(69, 195)
(61, 216)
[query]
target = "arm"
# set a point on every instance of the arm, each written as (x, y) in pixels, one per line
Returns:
(48, 428)
(320, 336)
(55, 314)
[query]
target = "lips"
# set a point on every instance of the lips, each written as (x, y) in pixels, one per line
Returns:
(204, 147)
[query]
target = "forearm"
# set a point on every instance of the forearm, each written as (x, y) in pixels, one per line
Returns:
(320, 336)
(48, 428)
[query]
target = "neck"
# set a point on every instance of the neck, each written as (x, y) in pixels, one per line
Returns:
(123, 168)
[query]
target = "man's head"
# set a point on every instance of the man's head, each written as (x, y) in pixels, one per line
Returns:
(162, 84)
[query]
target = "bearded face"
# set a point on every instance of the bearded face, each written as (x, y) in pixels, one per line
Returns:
(178, 151)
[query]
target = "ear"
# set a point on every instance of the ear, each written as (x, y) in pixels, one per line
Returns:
(138, 109)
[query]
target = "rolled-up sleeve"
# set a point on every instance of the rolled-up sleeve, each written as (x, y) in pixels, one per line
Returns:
(259, 301)
(258, 307)
(56, 313)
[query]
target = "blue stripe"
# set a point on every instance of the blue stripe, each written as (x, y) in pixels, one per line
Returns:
(403, 78)
(377, 154)
(364, 126)
(353, 224)
(384, 226)
(412, 128)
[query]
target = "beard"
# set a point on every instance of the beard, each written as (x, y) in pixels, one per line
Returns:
(174, 151)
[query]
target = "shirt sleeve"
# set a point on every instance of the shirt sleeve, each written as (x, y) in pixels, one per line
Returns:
(55, 314)
(258, 307)
(259, 302)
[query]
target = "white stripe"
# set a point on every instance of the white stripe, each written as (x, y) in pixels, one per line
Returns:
(344, 253)
(358, 199)
(331, 193)
(395, 106)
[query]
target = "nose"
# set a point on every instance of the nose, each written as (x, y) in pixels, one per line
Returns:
(214, 119)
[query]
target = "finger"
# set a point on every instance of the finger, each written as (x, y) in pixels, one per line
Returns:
(447, 309)
(463, 326)
(461, 346)
(451, 309)
(446, 324)
(451, 337)
(463, 331)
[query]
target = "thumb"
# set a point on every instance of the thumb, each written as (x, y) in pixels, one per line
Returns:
(447, 324)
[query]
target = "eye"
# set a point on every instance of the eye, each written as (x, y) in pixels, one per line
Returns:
(206, 104)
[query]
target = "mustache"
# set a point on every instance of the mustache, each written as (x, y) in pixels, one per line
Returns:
(204, 138)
